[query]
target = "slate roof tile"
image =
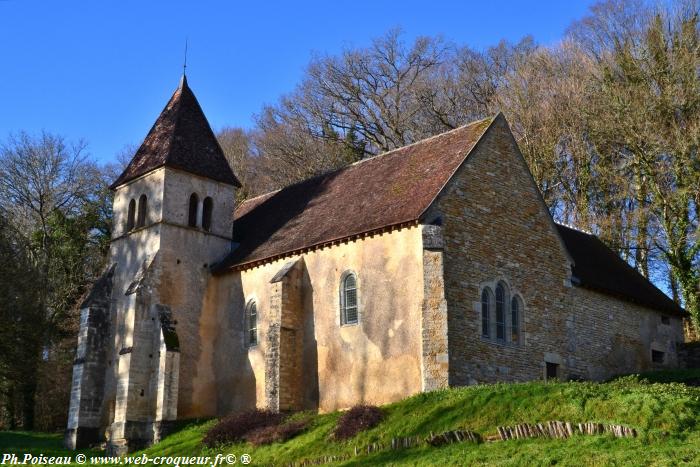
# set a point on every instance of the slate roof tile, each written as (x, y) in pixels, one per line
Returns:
(180, 138)
(386, 190)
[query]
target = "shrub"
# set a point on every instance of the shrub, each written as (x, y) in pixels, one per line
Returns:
(357, 419)
(235, 427)
(276, 433)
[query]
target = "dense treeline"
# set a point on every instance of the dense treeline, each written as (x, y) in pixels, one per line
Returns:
(55, 214)
(608, 120)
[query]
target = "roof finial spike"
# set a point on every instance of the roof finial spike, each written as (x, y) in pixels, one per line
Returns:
(184, 65)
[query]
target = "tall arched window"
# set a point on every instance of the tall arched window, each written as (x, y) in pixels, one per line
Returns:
(515, 317)
(485, 311)
(192, 214)
(348, 300)
(143, 206)
(206, 213)
(131, 215)
(500, 312)
(251, 324)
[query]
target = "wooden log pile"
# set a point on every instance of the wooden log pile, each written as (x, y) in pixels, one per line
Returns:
(552, 429)
(319, 461)
(370, 448)
(405, 442)
(454, 436)
(562, 430)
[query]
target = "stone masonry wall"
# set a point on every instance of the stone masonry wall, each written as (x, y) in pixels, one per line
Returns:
(291, 338)
(689, 355)
(376, 361)
(435, 357)
(497, 229)
(161, 266)
(607, 336)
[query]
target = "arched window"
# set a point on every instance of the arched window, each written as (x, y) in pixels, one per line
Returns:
(251, 324)
(130, 215)
(206, 213)
(500, 312)
(485, 311)
(348, 300)
(143, 206)
(192, 215)
(515, 317)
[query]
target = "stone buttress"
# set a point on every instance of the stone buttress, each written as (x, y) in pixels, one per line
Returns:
(283, 362)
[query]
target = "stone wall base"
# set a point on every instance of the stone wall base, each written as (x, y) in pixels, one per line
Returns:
(81, 437)
(139, 435)
(689, 355)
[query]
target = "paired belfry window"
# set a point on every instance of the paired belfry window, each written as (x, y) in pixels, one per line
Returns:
(348, 299)
(135, 219)
(501, 314)
(207, 208)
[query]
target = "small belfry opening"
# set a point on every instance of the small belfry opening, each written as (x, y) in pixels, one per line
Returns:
(207, 208)
(131, 214)
(192, 213)
(143, 207)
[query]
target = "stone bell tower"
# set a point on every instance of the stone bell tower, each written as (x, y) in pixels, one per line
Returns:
(173, 217)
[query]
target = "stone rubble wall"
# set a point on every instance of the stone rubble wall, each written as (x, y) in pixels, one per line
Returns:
(496, 228)
(283, 365)
(689, 355)
(434, 332)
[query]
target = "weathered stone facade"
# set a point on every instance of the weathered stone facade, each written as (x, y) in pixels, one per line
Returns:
(497, 228)
(145, 378)
(164, 335)
(376, 361)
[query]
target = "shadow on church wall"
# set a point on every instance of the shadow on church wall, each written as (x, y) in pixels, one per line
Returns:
(310, 394)
(235, 379)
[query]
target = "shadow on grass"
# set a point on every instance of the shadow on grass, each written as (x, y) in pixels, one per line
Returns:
(48, 444)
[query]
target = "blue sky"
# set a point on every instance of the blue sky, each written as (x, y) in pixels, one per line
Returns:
(103, 70)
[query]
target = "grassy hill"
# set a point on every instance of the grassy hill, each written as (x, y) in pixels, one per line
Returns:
(665, 414)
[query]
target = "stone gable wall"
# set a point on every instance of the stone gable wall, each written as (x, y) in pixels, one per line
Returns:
(496, 228)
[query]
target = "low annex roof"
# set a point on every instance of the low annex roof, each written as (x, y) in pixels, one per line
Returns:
(599, 268)
(180, 138)
(390, 189)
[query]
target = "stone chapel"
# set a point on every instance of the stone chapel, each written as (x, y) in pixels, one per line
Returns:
(437, 264)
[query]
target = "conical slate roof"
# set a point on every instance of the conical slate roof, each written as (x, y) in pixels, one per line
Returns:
(180, 138)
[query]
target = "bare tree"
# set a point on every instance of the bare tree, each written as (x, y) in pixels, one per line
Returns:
(50, 195)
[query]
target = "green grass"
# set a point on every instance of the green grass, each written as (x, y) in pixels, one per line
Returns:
(666, 414)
